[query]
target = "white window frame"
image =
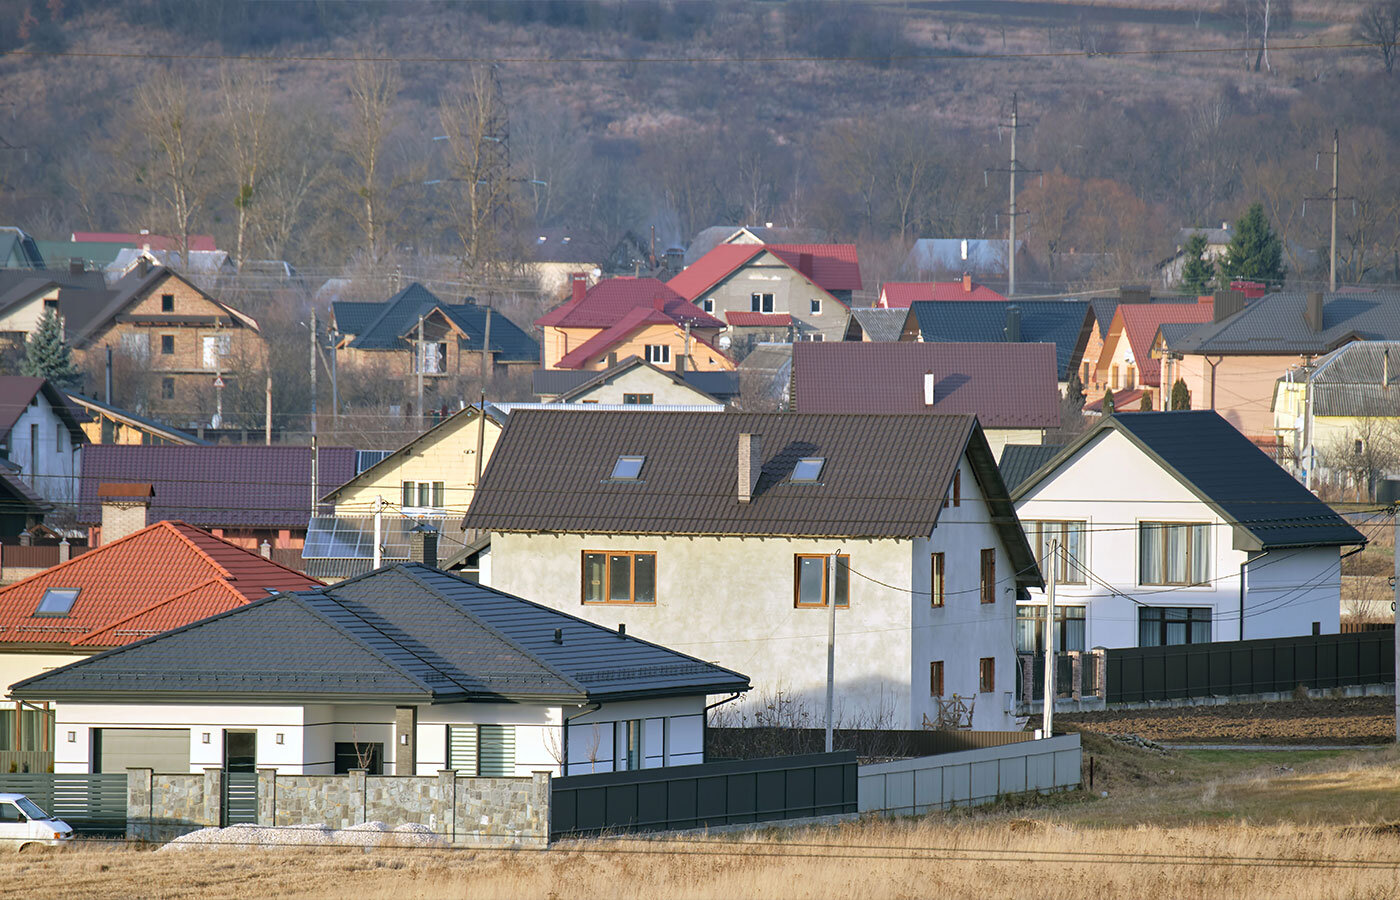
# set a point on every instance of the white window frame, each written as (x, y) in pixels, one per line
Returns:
(658, 354)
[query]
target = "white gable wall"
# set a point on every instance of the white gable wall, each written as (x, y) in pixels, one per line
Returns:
(41, 445)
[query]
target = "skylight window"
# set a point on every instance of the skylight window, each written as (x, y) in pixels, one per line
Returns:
(628, 468)
(808, 470)
(57, 602)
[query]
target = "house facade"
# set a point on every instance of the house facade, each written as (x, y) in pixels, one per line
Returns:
(634, 381)
(1126, 361)
(1175, 529)
(715, 533)
(40, 438)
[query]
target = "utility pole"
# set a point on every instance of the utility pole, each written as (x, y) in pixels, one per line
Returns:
(1332, 197)
(267, 415)
(486, 359)
(108, 395)
(480, 442)
(1012, 210)
(831, 646)
(422, 361)
(335, 384)
(313, 374)
(1048, 714)
(378, 531)
(1395, 605)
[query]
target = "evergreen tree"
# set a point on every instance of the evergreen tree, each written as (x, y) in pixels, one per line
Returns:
(1198, 273)
(1255, 252)
(1146, 404)
(1181, 395)
(1108, 403)
(46, 355)
(1074, 392)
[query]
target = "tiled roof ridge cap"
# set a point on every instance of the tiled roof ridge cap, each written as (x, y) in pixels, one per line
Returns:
(163, 601)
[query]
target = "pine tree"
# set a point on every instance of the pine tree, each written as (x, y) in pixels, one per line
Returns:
(1146, 404)
(1255, 252)
(46, 355)
(1108, 402)
(1181, 395)
(1074, 392)
(1198, 273)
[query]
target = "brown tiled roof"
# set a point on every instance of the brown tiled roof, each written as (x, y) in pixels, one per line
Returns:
(883, 477)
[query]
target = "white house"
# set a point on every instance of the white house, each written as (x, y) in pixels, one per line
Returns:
(406, 670)
(1176, 529)
(712, 533)
(40, 436)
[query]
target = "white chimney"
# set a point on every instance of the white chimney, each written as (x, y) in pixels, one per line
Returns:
(124, 509)
(750, 464)
(928, 389)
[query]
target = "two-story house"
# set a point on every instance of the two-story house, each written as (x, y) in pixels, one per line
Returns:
(41, 438)
(1126, 361)
(737, 536)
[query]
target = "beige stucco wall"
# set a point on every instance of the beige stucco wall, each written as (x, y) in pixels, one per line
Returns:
(998, 438)
(792, 293)
(448, 456)
(1244, 387)
(558, 342)
(25, 317)
(642, 380)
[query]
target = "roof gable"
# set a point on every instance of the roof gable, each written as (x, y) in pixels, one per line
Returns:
(398, 316)
(444, 430)
(1064, 323)
(638, 369)
(899, 294)
(1274, 324)
(832, 267)
(16, 392)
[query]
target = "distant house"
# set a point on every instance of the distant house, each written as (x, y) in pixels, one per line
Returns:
(382, 338)
(765, 378)
(1127, 362)
(877, 324)
(41, 438)
(634, 380)
(406, 670)
(244, 493)
(767, 292)
(26, 295)
(18, 250)
(713, 532)
(708, 239)
(107, 424)
(552, 255)
(1010, 388)
(931, 258)
(1217, 247)
(204, 267)
(622, 317)
(899, 294)
(1176, 529)
(138, 584)
(1064, 323)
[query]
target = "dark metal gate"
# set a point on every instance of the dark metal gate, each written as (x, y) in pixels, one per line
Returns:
(240, 806)
(92, 804)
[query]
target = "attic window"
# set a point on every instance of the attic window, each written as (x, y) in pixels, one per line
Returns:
(57, 602)
(808, 470)
(628, 468)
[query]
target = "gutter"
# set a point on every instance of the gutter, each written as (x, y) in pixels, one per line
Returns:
(705, 718)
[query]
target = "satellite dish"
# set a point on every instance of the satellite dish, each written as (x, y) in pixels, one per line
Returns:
(724, 341)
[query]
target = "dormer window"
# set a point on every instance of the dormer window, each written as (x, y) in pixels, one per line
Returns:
(628, 468)
(57, 602)
(808, 470)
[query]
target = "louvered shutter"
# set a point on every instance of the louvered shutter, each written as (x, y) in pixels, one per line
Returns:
(462, 748)
(497, 750)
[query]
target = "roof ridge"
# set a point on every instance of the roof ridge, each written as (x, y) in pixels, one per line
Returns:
(83, 557)
(214, 580)
(301, 598)
(388, 306)
(175, 525)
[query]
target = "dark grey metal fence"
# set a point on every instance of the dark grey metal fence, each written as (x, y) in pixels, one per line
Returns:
(92, 804)
(717, 793)
(240, 798)
(1250, 667)
(866, 743)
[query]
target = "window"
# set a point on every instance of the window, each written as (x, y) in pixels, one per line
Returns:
(935, 678)
(1084, 375)
(58, 438)
(167, 344)
(1130, 377)
(987, 675)
(954, 497)
(137, 346)
(51, 304)
(658, 354)
(628, 468)
(708, 304)
(761, 303)
(1030, 628)
(359, 755)
(10, 813)
(937, 582)
(1173, 553)
(808, 470)
(484, 750)
(619, 577)
(637, 399)
(1113, 378)
(408, 497)
(816, 336)
(989, 575)
(216, 347)
(816, 306)
(57, 602)
(431, 358)
(1069, 563)
(167, 303)
(167, 388)
(1163, 626)
(630, 755)
(424, 494)
(1359, 448)
(439, 492)
(809, 580)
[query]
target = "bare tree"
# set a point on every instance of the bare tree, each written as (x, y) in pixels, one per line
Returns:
(1362, 454)
(374, 88)
(246, 96)
(175, 147)
(1379, 26)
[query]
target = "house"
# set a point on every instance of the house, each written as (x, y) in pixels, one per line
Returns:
(26, 295)
(244, 493)
(406, 670)
(1176, 529)
(204, 267)
(1232, 364)
(622, 317)
(553, 255)
(876, 324)
(381, 338)
(108, 424)
(1126, 361)
(935, 257)
(143, 240)
(767, 292)
(636, 378)
(1010, 388)
(18, 250)
(713, 533)
(707, 239)
(899, 294)
(1217, 247)
(40, 437)
(765, 378)
(1102, 310)
(138, 584)
(1064, 323)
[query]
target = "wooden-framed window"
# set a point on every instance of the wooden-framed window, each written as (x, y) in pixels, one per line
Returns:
(809, 580)
(625, 576)
(987, 675)
(937, 582)
(1173, 553)
(989, 575)
(935, 678)
(637, 399)
(167, 344)
(954, 497)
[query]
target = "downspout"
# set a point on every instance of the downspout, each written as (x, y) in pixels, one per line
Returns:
(705, 719)
(583, 710)
(1212, 365)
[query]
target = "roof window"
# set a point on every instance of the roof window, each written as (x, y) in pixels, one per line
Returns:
(628, 468)
(808, 470)
(57, 602)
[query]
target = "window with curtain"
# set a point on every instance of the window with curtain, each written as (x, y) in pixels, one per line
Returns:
(1165, 626)
(1030, 628)
(1173, 553)
(1070, 565)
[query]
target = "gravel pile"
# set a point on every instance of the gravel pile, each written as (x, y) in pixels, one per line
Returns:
(1142, 743)
(369, 834)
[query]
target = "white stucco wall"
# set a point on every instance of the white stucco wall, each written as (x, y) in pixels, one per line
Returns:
(52, 469)
(643, 380)
(19, 666)
(997, 438)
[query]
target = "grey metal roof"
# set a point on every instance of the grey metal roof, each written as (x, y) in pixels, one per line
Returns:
(553, 382)
(879, 324)
(1268, 507)
(1274, 324)
(406, 632)
(1173, 333)
(1359, 379)
(1020, 461)
(1064, 323)
(174, 435)
(397, 315)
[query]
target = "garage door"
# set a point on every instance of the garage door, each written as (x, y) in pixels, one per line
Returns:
(166, 750)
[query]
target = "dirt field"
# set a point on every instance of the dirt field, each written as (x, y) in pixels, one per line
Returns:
(1362, 720)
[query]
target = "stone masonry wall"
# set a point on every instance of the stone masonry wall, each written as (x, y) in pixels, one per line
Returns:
(162, 807)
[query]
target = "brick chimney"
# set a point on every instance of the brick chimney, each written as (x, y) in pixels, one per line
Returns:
(804, 264)
(423, 544)
(75, 266)
(1312, 312)
(659, 303)
(750, 464)
(124, 508)
(580, 285)
(967, 282)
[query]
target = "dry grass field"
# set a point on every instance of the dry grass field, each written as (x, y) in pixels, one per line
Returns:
(1178, 825)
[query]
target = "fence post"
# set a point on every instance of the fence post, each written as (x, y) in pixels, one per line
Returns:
(1076, 675)
(540, 797)
(358, 787)
(140, 808)
(213, 797)
(445, 803)
(1101, 672)
(267, 796)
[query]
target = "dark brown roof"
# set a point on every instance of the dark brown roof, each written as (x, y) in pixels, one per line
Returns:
(883, 477)
(1004, 385)
(116, 490)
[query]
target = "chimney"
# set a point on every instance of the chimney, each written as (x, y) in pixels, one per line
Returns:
(680, 362)
(928, 389)
(1013, 324)
(1312, 312)
(265, 550)
(750, 464)
(967, 282)
(423, 545)
(659, 303)
(65, 551)
(612, 359)
(1134, 293)
(804, 264)
(1227, 303)
(124, 508)
(75, 266)
(580, 285)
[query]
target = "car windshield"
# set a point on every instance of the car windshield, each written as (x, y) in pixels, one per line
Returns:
(30, 808)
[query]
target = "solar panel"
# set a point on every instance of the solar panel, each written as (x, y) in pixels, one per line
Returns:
(352, 537)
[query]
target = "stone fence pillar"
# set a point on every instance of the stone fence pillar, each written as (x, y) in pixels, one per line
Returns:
(356, 810)
(267, 796)
(213, 796)
(139, 800)
(445, 803)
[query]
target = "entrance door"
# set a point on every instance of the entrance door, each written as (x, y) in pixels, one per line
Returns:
(240, 778)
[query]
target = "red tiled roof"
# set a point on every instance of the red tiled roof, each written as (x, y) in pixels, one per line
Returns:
(1004, 385)
(1140, 324)
(1123, 401)
(155, 241)
(741, 319)
(612, 298)
(899, 294)
(597, 345)
(835, 267)
(167, 574)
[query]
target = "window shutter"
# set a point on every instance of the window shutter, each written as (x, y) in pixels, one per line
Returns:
(497, 750)
(462, 748)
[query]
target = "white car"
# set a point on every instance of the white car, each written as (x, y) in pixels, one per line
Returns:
(23, 824)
